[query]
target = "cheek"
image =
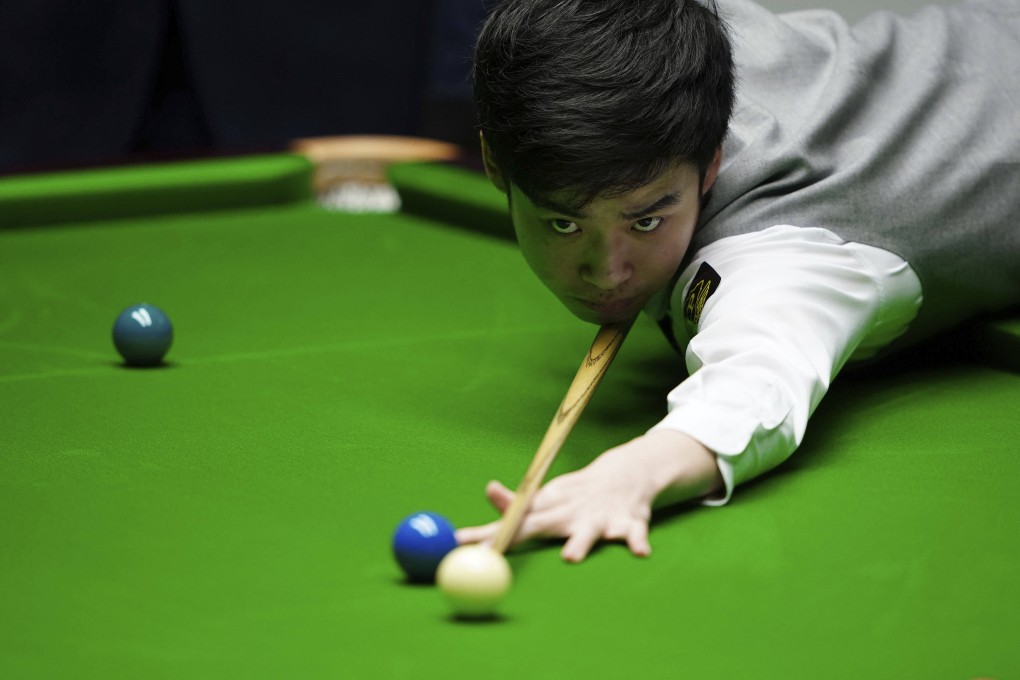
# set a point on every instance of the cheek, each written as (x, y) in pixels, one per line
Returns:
(685, 234)
(548, 264)
(659, 266)
(665, 258)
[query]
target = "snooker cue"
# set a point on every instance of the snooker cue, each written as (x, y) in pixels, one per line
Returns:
(603, 350)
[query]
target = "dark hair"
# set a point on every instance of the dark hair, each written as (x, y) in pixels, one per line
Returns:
(601, 96)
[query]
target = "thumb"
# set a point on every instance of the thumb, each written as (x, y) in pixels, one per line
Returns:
(500, 496)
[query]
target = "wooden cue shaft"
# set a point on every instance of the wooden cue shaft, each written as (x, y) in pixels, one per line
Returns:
(603, 350)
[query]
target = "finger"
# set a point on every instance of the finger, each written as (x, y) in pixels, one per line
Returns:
(637, 539)
(480, 534)
(532, 527)
(617, 529)
(579, 544)
(500, 496)
(547, 524)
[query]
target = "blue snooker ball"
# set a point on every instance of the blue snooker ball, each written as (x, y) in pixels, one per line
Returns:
(142, 335)
(420, 543)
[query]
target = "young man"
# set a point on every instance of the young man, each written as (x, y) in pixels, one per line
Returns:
(859, 192)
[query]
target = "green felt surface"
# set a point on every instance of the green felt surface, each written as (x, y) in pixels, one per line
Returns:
(229, 515)
(453, 195)
(136, 191)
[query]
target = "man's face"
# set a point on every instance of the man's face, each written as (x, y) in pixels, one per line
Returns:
(607, 261)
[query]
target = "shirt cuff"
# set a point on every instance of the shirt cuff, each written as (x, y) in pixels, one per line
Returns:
(745, 441)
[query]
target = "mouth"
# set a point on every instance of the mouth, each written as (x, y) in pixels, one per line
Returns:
(612, 310)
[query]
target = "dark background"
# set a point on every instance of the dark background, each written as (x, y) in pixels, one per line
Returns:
(118, 80)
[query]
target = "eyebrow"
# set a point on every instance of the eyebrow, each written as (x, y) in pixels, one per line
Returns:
(666, 201)
(553, 206)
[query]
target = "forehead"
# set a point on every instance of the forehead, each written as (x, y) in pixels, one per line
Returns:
(674, 182)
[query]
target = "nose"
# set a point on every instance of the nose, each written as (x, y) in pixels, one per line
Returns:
(607, 264)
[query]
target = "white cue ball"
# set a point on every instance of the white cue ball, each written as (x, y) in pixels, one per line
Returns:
(474, 578)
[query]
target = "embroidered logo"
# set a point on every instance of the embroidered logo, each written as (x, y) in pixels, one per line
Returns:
(704, 285)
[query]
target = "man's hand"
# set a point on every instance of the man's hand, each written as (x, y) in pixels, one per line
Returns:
(612, 497)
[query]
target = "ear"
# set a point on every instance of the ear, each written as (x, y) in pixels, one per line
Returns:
(491, 170)
(712, 172)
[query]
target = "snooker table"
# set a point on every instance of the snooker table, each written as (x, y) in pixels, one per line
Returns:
(229, 514)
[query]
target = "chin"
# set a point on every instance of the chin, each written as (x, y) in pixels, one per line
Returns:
(589, 317)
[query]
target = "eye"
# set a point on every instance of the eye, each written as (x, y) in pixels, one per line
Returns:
(648, 224)
(562, 226)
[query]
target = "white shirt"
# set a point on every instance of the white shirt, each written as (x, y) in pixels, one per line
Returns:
(791, 307)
